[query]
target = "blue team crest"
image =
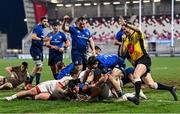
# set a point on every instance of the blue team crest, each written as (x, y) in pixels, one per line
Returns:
(60, 37)
(78, 31)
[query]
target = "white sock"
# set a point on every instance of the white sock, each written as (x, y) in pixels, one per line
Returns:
(14, 96)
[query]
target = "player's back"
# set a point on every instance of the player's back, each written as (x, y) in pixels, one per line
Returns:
(109, 61)
(65, 71)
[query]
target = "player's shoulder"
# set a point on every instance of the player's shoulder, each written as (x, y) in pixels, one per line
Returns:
(61, 33)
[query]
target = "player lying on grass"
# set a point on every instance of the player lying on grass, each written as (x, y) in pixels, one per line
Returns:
(18, 75)
(52, 89)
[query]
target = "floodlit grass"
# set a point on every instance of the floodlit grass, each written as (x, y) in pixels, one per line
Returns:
(164, 70)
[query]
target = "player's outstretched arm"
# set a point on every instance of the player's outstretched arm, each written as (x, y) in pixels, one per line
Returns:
(92, 46)
(64, 26)
(123, 23)
(9, 71)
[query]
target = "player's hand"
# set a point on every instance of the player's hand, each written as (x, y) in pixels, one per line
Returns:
(55, 47)
(66, 18)
(61, 49)
(123, 37)
(94, 54)
(121, 21)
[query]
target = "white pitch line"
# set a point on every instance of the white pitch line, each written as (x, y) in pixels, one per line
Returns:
(161, 68)
(165, 101)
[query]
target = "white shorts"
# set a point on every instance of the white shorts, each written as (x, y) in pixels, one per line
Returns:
(51, 85)
(47, 86)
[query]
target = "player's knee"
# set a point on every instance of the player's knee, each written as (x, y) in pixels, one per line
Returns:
(38, 64)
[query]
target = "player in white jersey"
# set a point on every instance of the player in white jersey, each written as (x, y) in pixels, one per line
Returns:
(48, 89)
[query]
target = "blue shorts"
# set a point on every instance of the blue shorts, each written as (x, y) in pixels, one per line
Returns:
(79, 59)
(127, 72)
(54, 58)
(37, 54)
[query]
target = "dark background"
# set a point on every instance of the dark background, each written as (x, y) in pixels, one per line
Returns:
(12, 23)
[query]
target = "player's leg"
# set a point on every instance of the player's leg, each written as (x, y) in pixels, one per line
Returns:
(114, 80)
(42, 96)
(2, 80)
(84, 62)
(155, 85)
(6, 86)
(32, 92)
(39, 67)
(37, 58)
(77, 60)
(138, 72)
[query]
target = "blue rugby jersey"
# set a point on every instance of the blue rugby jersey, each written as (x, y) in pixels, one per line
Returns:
(119, 35)
(110, 61)
(80, 39)
(57, 40)
(119, 38)
(38, 29)
(65, 71)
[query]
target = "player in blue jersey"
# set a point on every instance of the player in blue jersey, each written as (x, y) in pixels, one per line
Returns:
(55, 41)
(110, 61)
(81, 39)
(36, 49)
(118, 39)
(63, 70)
(110, 66)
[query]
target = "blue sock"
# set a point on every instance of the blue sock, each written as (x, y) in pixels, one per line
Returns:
(38, 78)
(55, 76)
(31, 79)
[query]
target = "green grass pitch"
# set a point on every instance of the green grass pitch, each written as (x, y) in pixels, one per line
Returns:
(164, 69)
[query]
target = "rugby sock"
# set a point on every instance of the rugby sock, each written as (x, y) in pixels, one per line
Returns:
(137, 85)
(55, 76)
(14, 96)
(38, 75)
(31, 79)
(163, 87)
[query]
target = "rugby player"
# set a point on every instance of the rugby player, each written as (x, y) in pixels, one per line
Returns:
(36, 50)
(18, 75)
(81, 39)
(51, 89)
(54, 42)
(133, 44)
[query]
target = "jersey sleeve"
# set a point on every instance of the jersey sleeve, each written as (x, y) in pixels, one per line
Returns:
(64, 37)
(15, 68)
(36, 30)
(119, 35)
(64, 81)
(49, 35)
(72, 29)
